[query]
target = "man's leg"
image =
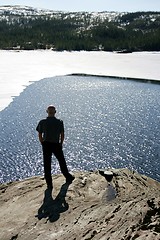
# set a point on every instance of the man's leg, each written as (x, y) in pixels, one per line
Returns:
(58, 152)
(47, 156)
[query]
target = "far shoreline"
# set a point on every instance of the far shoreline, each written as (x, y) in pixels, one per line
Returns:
(155, 81)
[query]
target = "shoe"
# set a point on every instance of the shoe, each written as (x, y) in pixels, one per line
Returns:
(70, 179)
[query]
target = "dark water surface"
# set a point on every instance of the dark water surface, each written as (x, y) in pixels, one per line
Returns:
(108, 123)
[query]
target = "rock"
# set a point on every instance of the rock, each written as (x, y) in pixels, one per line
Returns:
(126, 208)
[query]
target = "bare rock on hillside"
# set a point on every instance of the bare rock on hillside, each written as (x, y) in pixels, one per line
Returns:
(126, 208)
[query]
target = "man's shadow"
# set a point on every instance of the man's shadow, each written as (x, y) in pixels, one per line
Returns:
(51, 209)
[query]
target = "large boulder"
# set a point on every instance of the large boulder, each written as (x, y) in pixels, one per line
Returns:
(127, 207)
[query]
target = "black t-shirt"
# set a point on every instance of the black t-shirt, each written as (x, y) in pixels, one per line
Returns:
(51, 128)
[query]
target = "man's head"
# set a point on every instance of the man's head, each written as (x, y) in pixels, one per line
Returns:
(51, 110)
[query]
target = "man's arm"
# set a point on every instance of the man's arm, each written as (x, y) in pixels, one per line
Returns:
(62, 133)
(40, 137)
(62, 137)
(39, 129)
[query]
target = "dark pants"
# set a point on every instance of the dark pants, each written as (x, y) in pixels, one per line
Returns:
(56, 149)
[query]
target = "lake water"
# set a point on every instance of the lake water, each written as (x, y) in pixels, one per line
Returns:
(108, 123)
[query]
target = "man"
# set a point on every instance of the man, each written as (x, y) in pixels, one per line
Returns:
(51, 136)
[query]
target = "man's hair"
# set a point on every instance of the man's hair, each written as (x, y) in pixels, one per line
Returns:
(51, 109)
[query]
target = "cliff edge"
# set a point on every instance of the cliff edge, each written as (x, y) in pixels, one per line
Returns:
(126, 208)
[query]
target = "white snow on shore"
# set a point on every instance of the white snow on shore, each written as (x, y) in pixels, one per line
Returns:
(19, 68)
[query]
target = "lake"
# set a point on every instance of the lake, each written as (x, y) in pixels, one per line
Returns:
(109, 123)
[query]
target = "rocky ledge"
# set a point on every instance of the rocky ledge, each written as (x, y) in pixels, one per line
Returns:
(126, 208)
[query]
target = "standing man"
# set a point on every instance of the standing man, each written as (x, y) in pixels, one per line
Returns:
(51, 136)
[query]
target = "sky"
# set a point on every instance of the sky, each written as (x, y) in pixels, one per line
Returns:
(89, 5)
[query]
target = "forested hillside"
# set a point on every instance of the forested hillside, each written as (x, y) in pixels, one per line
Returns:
(28, 28)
